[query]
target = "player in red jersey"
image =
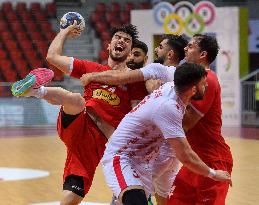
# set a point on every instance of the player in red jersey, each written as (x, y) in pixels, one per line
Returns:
(136, 60)
(84, 123)
(202, 123)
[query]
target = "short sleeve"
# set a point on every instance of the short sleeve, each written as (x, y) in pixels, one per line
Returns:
(157, 71)
(168, 118)
(80, 67)
(202, 106)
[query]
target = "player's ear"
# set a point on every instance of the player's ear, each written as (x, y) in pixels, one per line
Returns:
(109, 47)
(145, 59)
(170, 54)
(204, 54)
(194, 89)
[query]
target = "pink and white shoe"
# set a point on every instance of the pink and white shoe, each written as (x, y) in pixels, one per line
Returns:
(36, 78)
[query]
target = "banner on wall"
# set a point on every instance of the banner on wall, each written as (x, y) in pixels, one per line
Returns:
(184, 17)
(203, 17)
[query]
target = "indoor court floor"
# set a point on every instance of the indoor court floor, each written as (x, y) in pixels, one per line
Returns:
(41, 149)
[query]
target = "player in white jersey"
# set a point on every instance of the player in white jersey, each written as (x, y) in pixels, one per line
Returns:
(129, 155)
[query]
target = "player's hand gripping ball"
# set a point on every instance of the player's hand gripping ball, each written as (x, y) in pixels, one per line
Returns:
(69, 18)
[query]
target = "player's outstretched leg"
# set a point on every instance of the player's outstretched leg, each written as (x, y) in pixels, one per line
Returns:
(34, 80)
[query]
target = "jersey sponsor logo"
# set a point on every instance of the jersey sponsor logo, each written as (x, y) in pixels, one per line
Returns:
(107, 96)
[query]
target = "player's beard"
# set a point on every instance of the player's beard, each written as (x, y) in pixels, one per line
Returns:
(132, 65)
(198, 96)
(160, 60)
(119, 58)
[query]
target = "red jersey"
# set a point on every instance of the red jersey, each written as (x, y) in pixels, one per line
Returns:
(109, 102)
(205, 137)
(137, 91)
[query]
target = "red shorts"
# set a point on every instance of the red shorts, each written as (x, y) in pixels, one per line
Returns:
(194, 189)
(85, 147)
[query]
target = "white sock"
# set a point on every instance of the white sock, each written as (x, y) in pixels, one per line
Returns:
(38, 93)
(42, 91)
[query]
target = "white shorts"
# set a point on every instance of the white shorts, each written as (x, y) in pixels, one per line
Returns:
(120, 173)
(164, 172)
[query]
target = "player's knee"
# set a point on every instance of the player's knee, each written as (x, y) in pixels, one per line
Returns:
(134, 197)
(70, 198)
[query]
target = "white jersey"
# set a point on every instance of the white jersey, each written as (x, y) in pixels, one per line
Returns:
(129, 158)
(158, 71)
(164, 73)
(142, 131)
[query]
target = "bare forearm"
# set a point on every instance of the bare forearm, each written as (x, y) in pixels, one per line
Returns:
(113, 77)
(192, 161)
(54, 55)
(106, 77)
(56, 46)
(188, 157)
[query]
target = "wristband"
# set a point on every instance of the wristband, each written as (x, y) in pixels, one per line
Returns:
(212, 173)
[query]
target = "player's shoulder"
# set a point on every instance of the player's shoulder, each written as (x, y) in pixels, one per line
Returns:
(171, 99)
(212, 75)
(212, 78)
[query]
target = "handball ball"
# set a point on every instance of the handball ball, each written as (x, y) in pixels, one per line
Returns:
(68, 19)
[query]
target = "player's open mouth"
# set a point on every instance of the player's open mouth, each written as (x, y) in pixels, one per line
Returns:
(119, 48)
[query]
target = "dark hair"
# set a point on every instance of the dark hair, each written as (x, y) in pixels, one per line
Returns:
(140, 44)
(128, 29)
(177, 43)
(188, 74)
(209, 44)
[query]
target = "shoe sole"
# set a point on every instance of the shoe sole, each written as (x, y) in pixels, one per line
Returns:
(20, 87)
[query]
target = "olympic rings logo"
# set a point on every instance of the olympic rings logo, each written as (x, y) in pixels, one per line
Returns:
(184, 17)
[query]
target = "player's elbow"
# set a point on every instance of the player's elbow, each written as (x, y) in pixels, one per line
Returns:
(50, 57)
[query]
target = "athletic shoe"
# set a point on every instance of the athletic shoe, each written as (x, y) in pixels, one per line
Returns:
(149, 200)
(36, 78)
(115, 201)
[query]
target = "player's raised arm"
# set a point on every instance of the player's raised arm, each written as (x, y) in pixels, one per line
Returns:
(54, 55)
